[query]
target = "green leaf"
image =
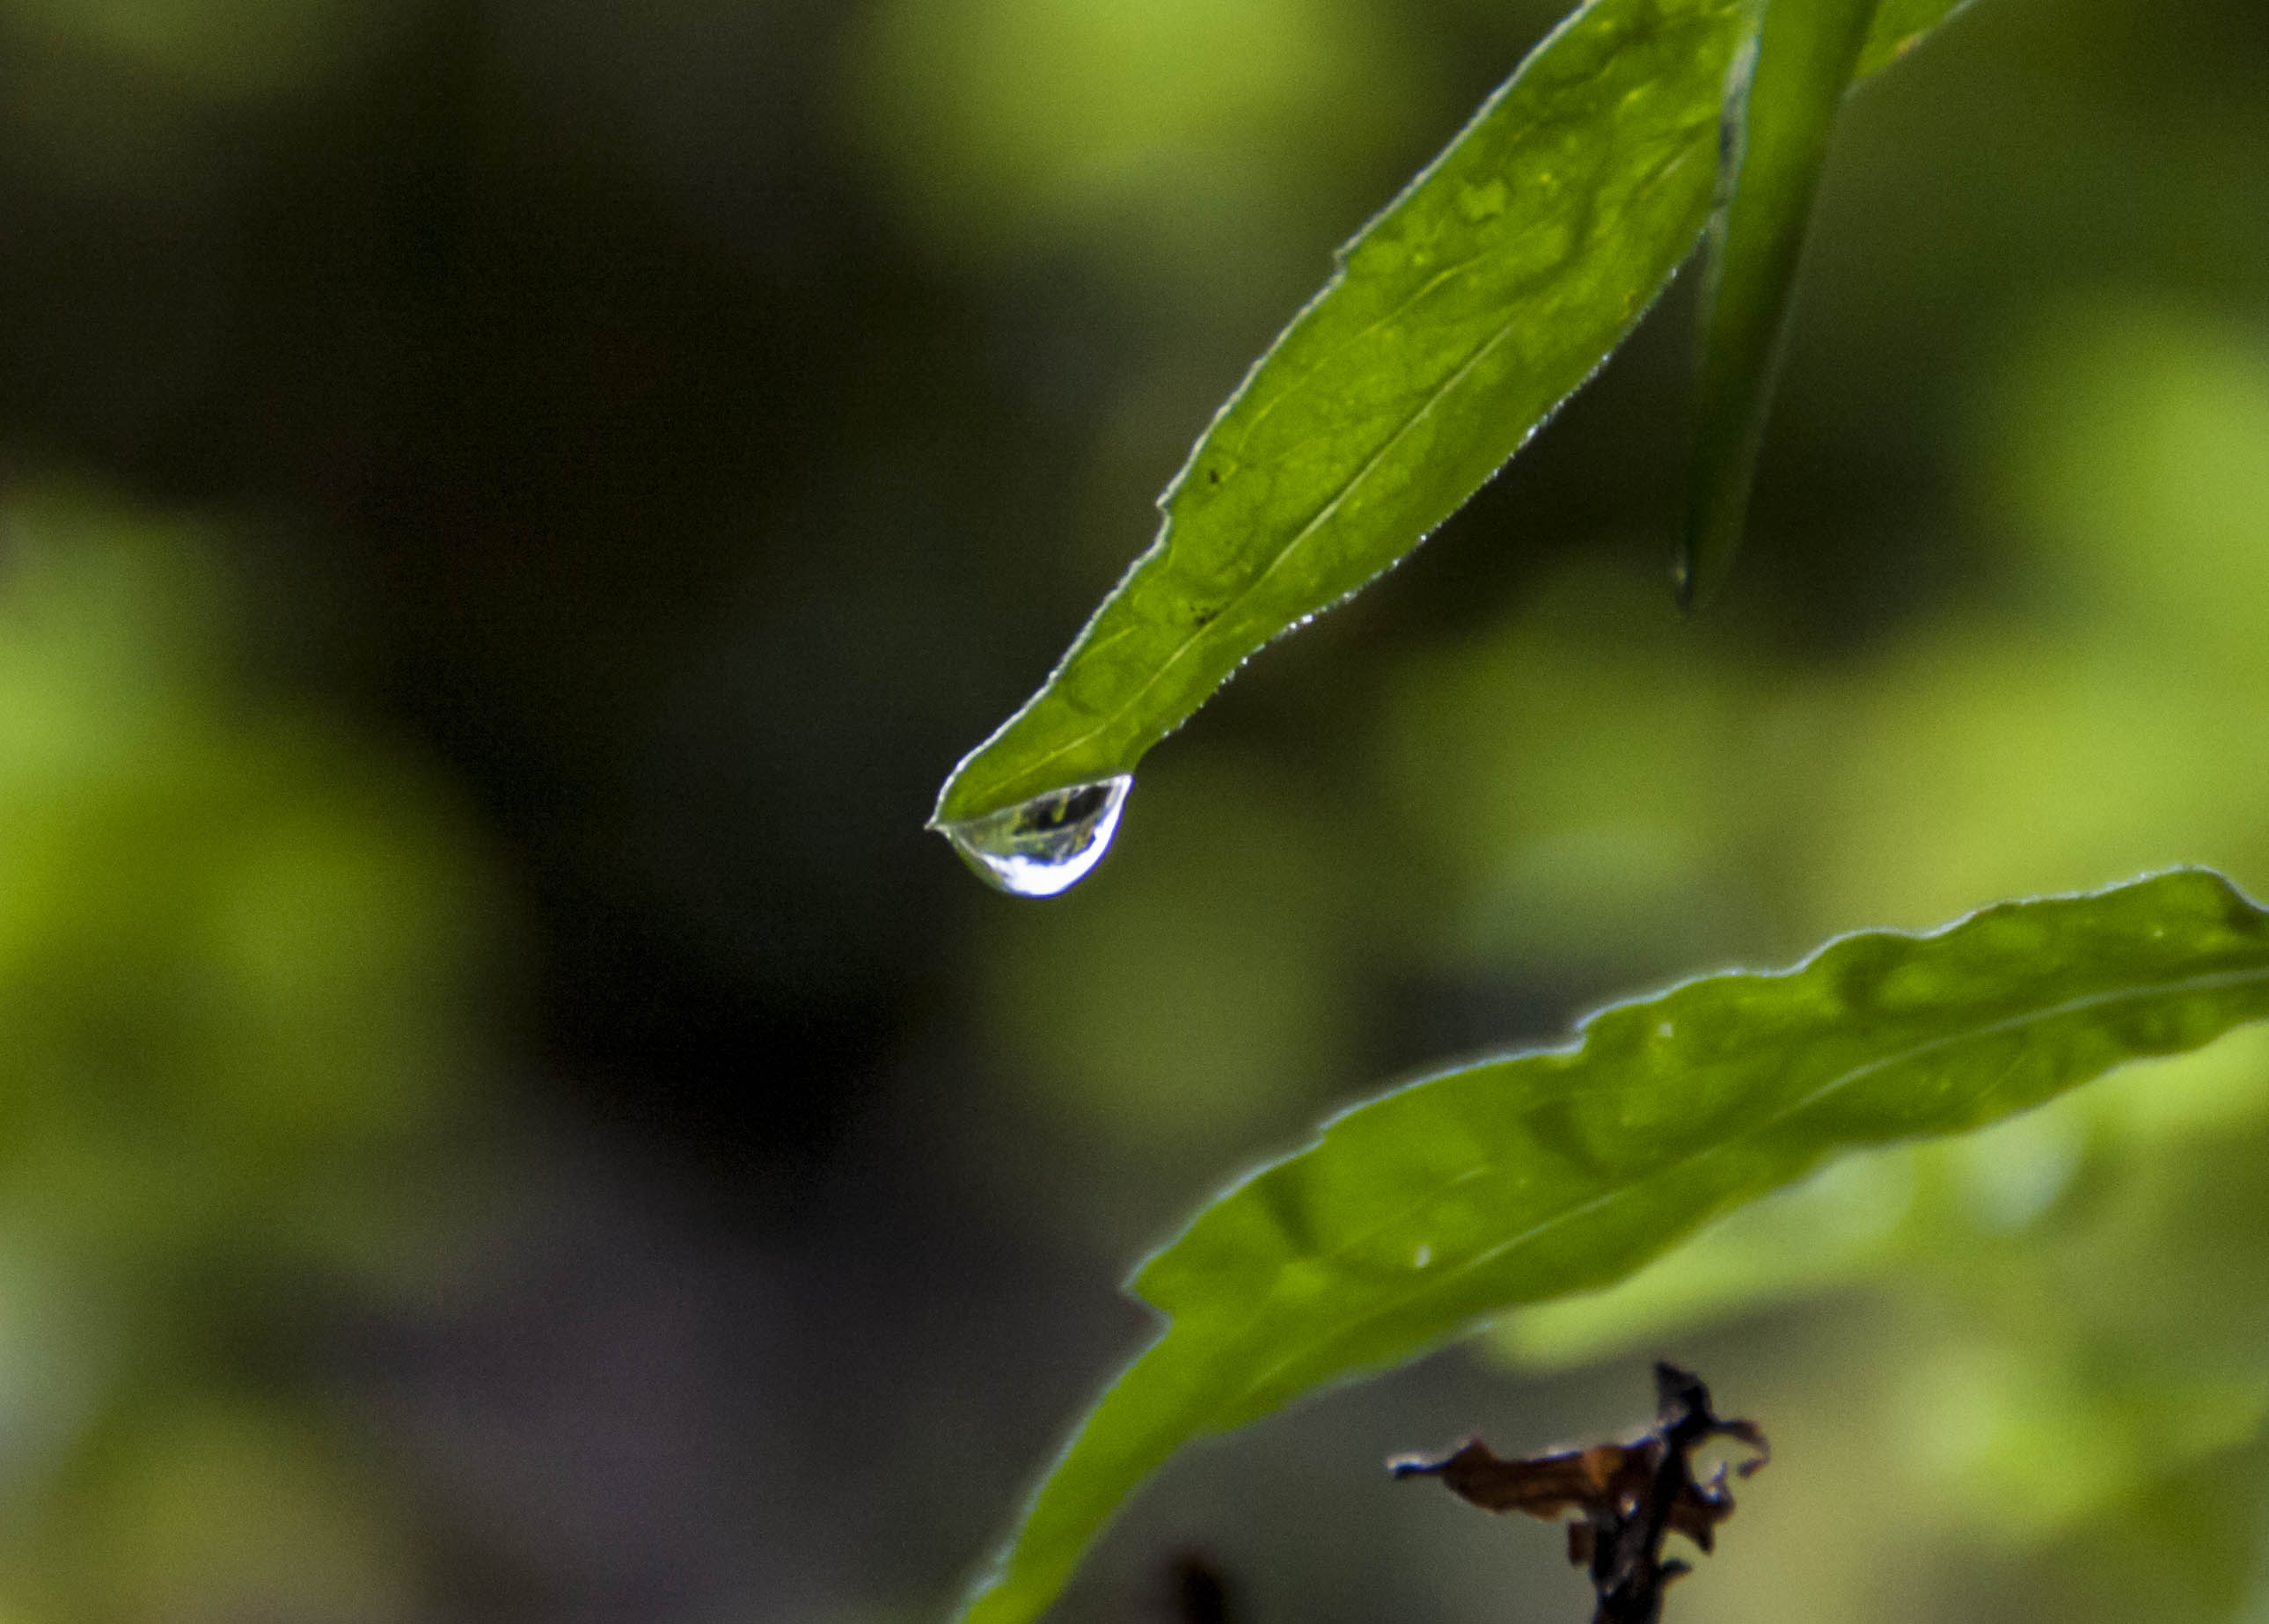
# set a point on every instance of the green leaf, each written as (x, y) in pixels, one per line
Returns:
(1418, 1215)
(1778, 117)
(1456, 322)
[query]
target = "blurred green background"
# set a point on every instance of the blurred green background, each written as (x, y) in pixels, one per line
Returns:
(508, 511)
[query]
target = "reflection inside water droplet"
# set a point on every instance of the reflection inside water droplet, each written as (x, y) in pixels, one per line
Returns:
(1046, 844)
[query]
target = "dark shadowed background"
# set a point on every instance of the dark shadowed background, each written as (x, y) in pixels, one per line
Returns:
(509, 510)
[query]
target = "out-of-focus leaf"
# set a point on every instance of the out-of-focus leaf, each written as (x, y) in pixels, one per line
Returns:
(1776, 125)
(1519, 1179)
(1456, 322)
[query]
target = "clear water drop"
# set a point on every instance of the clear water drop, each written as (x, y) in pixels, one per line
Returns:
(1044, 845)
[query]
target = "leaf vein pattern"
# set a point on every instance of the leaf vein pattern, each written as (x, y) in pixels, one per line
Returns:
(1308, 530)
(2195, 984)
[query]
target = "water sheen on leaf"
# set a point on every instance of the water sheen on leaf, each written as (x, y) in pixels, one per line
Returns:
(1517, 1180)
(1455, 322)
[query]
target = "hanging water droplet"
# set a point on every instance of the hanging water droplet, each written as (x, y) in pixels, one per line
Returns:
(1047, 844)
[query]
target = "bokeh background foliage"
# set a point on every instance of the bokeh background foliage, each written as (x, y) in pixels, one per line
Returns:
(509, 510)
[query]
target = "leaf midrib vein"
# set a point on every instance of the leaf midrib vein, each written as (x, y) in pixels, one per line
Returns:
(1307, 531)
(1436, 1281)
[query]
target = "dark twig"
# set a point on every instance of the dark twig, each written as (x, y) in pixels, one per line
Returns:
(1625, 1498)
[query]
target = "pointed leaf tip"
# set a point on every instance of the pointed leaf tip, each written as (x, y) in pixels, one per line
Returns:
(1453, 326)
(1781, 101)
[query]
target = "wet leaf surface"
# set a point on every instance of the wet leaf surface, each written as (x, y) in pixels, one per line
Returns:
(1454, 324)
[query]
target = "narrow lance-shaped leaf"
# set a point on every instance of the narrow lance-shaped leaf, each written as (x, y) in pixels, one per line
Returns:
(1455, 322)
(1517, 1180)
(1779, 114)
